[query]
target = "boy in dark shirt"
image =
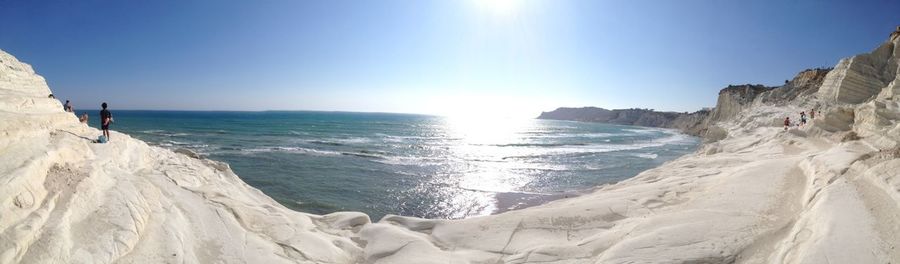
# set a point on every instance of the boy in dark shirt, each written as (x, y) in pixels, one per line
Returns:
(105, 119)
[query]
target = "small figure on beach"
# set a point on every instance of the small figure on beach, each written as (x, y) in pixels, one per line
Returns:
(68, 107)
(83, 118)
(802, 118)
(105, 120)
(812, 113)
(787, 123)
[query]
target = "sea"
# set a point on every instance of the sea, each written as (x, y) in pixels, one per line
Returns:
(412, 165)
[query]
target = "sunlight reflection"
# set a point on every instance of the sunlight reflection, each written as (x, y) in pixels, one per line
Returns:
(486, 167)
(484, 130)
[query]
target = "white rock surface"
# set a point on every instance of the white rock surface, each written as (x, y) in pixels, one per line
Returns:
(810, 194)
(762, 195)
(859, 78)
(64, 199)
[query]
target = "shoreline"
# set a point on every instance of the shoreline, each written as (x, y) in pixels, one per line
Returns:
(511, 201)
(753, 193)
(504, 201)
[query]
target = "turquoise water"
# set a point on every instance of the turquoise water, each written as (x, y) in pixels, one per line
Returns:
(425, 166)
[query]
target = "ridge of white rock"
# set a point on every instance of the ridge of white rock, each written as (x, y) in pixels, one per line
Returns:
(859, 78)
(64, 199)
(828, 192)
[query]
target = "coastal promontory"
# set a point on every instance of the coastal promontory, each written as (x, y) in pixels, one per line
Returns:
(824, 192)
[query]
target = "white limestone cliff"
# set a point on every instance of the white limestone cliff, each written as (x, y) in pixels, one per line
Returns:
(64, 199)
(828, 192)
(859, 78)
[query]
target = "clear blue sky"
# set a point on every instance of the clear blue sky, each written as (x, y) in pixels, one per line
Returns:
(435, 57)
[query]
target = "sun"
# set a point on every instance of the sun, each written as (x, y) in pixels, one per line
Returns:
(498, 7)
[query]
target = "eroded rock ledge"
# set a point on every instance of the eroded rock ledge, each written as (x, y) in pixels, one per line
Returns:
(825, 192)
(731, 101)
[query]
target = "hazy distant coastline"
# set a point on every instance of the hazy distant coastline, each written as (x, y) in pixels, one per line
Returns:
(631, 117)
(731, 101)
(755, 192)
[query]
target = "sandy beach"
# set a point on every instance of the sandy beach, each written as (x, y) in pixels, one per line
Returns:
(826, 192)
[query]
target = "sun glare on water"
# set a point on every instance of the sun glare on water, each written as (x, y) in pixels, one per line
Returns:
(486, 169)
(487, 130)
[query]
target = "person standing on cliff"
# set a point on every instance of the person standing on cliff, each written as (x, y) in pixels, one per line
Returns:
(812, 113)
(802, 118)
(105, 120)
(787, 123)
(68, 107)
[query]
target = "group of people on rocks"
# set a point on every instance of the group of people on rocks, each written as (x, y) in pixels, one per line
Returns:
(105, 116)
(788, 123)
(68, 108)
